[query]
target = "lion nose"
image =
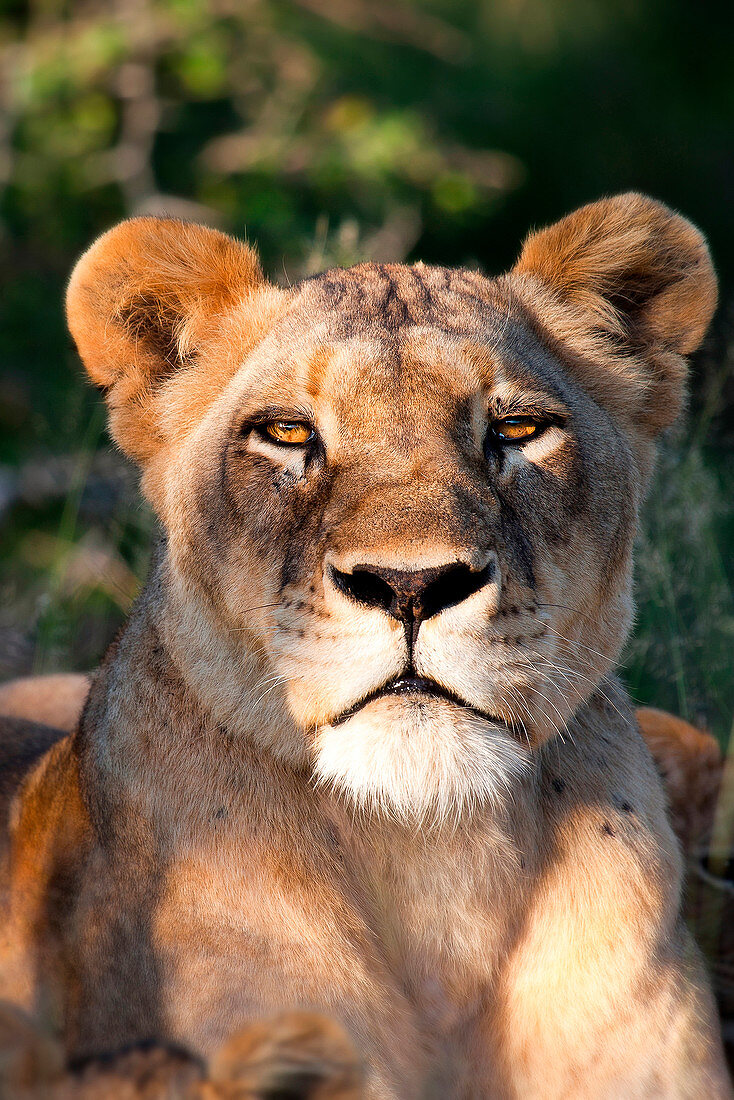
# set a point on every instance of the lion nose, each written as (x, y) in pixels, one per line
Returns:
(412, 595)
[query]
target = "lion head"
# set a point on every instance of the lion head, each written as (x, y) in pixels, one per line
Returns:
(398, 502)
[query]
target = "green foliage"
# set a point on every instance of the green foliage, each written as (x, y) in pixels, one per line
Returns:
(330, 131)
(680, 656)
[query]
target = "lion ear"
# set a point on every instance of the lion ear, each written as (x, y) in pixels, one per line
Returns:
(629, 286)
(141, 304)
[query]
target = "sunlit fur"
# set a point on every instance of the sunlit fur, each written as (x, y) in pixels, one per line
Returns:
(422, 760)
(291, 657)
(476, 878)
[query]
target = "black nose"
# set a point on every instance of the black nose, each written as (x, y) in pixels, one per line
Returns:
(411, 595)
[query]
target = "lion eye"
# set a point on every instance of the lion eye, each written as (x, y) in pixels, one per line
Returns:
(292, 433)
(517, 429)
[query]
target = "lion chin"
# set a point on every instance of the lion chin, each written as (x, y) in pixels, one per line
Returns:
(423, 758)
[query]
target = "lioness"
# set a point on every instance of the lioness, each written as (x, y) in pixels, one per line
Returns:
(360, 748)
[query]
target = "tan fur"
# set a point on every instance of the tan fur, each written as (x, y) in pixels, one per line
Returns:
(298, 1055)
(52, 700)
(476, 878)
(689, 759)
(629, 285)
(691, 765)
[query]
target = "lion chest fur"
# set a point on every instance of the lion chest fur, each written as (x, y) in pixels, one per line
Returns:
(226, 889)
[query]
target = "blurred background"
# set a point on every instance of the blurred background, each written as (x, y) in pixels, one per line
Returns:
(329, 131)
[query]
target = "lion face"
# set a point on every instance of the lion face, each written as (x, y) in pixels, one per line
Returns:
(426, 594)
(399, 505)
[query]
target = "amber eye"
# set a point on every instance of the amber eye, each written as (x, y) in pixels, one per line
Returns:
(292, 433)
(517, 429)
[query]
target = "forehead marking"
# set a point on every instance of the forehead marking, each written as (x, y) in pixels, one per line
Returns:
(390, 296)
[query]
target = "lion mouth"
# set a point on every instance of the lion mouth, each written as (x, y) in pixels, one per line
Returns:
(418, 686)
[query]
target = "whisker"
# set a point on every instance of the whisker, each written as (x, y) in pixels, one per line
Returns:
(248, 610)
(555, 708)
(515, 695)
(278, 682)
(568, 672)
(599, 690)
(562, 606)
(581, 645)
